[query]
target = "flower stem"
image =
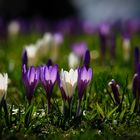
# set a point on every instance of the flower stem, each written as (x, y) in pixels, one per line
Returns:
(63, 107)
(69, 102)
(49, 105)
(78, 108)
(6, 112)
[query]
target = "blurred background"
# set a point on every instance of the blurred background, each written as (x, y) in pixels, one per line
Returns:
(91, 10)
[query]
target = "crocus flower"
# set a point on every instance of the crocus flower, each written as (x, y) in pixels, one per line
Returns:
(87, 59)
(79, 49)
(136, 58)
(58, 38)
(73, 60)
(112, 43)
(104, 31)
(48, 78)
(69, 82)
(32, 54)
(115, 89)
(24, 57)
(64, 97)
(136, 86)
(88, 27)
(126, 47)
(13, 28)
(136, 83)
(56, 43)
(49, 63)
(3, 86)
(84, 77)
(30, 79)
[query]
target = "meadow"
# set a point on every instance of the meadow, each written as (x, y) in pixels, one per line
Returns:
(104, 114)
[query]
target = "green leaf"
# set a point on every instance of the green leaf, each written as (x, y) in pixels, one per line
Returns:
(133, 106)
(112, 111)
(122, 114)
(99, 109)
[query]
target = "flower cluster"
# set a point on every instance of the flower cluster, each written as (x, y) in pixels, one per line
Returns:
(48, 75)
(49, 42)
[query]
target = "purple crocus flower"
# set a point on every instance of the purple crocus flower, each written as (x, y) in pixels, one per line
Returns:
(115, 89)
(24, 58)
(112, 41)
(136, 86)
(79, 48)
(136, 57)
(84, 77)
(136, 83)
(64, 97)
(48, 78)
(49, 63)
(87, 59)
(30, 79)
(58, 38)
(104, 32)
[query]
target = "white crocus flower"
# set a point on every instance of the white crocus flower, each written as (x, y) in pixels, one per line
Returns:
(45, 44)
(73, 60)
(32, 54)
(13, 28)
(69, 81)
(126, 49)
(3, 85)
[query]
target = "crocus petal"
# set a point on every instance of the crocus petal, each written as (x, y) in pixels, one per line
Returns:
(53, 74)
(31, 75)
(47, 73)
(3, 85)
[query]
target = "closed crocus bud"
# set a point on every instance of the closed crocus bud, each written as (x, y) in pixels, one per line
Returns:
(3, 86)
(136, 58)
(87, 59)
(30, 78)
(24, 57)
(136, 83)
(115, 89)
(49, 63)
(69, 82)
(73, 60)
(32, 54)
(48, 78)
